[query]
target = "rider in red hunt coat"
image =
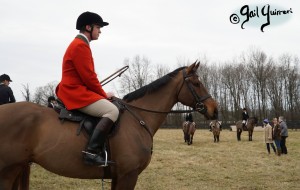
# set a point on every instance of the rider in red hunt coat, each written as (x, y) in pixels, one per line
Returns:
(80, 88)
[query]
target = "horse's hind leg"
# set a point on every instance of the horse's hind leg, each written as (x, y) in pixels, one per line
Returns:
(189, 140)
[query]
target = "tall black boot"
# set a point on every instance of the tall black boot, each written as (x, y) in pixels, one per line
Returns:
(244, 126)
(94, 154)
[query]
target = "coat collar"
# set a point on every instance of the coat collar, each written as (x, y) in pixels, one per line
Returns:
(83, 37)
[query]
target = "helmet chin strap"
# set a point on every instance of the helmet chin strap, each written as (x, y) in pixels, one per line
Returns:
(91, 32)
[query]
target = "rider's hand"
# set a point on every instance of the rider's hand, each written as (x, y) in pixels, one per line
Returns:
(110, 95)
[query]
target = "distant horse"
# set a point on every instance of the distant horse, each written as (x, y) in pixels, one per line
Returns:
(215, 126)
(251, 123)
(33, 133)
(189, 129)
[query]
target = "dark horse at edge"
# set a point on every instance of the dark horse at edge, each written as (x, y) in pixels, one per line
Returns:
(33, 133)
(251, 123)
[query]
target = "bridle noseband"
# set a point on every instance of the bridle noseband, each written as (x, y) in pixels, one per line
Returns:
(199, 106)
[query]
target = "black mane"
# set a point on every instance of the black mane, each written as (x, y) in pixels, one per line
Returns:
(152, 87)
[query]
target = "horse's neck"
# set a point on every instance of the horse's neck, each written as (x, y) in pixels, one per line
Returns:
(162, 100)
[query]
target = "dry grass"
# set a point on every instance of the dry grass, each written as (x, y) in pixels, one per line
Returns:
(204, 165)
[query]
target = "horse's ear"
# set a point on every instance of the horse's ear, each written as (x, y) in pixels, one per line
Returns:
(196, 65)
(193, 67)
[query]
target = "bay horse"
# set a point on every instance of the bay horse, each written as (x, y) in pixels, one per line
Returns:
(31, 133)
(189, 129)
(251, 123)
(215, 126)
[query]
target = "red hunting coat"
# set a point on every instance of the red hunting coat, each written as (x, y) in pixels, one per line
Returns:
(79, 86)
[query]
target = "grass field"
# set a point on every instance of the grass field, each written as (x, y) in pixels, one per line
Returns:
(228, 164)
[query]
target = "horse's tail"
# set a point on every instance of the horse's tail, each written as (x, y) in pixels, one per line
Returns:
(24, 178)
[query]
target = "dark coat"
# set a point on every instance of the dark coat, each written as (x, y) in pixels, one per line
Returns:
(245, 116)
(277, 131)
(6, 94)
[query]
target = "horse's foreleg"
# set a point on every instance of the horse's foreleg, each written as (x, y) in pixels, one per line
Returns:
(9, 178)
(238, 134)
(250, 135)
(127, 181)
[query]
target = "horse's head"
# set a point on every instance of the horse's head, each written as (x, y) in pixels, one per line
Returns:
(253, 120)
(215, 125)
(193, 93)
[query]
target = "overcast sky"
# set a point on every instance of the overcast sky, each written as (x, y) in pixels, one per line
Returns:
(35, 34)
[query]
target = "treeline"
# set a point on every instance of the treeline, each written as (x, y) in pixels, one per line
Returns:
(267, 86)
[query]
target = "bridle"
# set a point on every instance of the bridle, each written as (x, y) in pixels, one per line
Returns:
(199, 106)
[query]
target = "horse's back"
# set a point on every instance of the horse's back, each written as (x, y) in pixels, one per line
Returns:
(34, 133)
(18, 125)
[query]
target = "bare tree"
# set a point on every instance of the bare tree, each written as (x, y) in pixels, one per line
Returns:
(26, 93)
(291, 84)
(258, 66)
(42, 93)
(161, 70)
(138, 74)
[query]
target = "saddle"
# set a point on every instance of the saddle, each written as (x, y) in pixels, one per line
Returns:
(86, 122)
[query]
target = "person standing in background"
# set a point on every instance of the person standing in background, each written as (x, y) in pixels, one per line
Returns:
(276, 135)
(6, 94)
(268, 136)
(284, 134)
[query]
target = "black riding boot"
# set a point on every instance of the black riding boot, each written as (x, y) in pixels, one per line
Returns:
(95, 147)
(244, 126)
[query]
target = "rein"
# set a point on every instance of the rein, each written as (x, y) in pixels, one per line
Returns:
(154, 111)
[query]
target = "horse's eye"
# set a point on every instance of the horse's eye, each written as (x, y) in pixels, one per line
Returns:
(197, 84)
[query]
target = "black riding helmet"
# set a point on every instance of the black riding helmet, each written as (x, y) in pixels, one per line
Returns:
(89, 18)
(5, 77)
